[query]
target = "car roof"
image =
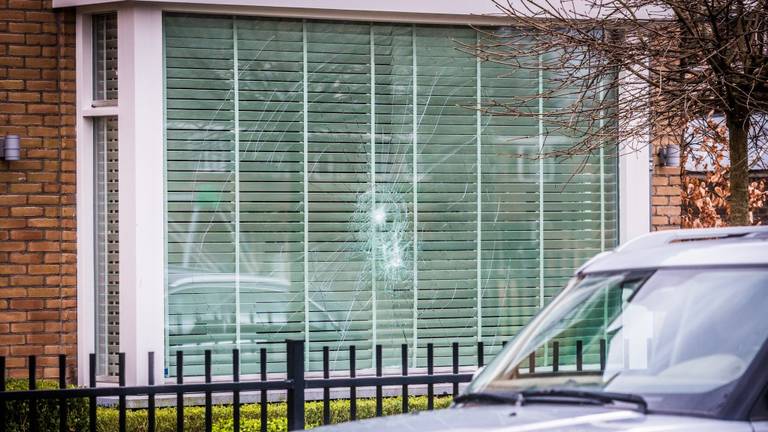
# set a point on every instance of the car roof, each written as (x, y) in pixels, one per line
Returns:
(681, 248)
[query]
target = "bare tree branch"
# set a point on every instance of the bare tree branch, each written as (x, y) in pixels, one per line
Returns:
(634, 66)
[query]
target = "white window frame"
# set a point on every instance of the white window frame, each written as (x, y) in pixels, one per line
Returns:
(86, 111)
(142, 171)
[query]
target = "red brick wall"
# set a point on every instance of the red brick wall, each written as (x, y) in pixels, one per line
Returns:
(666, 194)
(37, 193)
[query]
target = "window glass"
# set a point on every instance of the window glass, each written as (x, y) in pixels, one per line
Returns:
(674, 336)
(105, 57)
(107, 257)
(333, 182)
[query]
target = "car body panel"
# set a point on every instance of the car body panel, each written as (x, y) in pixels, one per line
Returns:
(538, 417)
(753, 251)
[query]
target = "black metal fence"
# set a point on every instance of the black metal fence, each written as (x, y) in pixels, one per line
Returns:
(294, 384)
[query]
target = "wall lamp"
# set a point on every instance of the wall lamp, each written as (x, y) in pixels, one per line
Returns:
(9, 148)
(669, 156)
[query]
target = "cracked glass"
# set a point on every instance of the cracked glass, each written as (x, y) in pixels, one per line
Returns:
(334, 182)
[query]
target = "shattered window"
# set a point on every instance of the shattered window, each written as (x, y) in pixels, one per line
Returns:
(334, 182)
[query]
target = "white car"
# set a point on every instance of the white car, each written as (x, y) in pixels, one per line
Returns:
(666, 333)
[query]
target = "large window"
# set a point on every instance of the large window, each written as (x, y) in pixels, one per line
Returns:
(334, 182)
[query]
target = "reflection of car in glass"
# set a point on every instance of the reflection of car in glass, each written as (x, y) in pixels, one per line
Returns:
(666, 333)
(202, 308)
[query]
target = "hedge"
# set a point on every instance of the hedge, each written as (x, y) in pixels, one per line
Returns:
(17, 412)
(194, 416)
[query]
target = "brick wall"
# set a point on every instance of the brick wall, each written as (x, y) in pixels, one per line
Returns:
(37, 193)
(666, 195)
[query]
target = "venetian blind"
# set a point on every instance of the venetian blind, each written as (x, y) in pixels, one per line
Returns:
(106, 241)
(105, 56)
(334, 182)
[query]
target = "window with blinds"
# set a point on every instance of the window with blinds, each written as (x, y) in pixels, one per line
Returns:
(107, 255)
(334, 182)
(104, 64)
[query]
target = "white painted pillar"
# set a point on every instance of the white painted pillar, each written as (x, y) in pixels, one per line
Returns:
(142, 242)
(634, 162)
(85, 205)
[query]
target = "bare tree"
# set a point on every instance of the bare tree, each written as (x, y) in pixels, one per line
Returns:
(635, 67)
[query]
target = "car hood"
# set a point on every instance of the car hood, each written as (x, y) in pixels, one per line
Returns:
(502, 418)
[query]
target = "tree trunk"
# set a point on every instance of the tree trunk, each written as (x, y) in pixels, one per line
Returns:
(738, 131)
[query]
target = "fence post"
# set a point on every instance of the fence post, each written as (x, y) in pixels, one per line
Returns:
(295, 373)
(208, 396)
(92, 399)
(151, 395)
(33, 420)
(3, 419)
(62, 385)
(236, 393)
(121, 399)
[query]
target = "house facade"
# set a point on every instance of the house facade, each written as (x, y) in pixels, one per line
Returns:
(231, 174)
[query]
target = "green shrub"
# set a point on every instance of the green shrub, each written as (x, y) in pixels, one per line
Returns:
(250, 421)
(17, 412)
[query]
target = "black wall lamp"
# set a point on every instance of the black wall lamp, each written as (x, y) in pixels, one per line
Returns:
(10, 149)
(669, 156)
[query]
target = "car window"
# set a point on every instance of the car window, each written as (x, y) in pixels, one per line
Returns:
(679, 337)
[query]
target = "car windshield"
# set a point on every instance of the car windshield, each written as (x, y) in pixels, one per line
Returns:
(679, 338)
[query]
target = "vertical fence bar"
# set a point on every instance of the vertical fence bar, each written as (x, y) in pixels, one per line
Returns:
(33, 420)
(295, 373)
(3, 419)
(430, 371)
(455, 367)
(579, 355)
(62, 385)
(92, 399)
(404, 363)
(602, 354)
(326, 390)
(151, 395)
(555, 356)
(263, 405)
(480, 354)
(353, 389)
(208, 401)
(379, 389)
(236, 393)
(532, 362)
(180, 395)
(121, 383)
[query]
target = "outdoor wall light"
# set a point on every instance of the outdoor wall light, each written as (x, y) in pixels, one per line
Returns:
(669, 156)
(11, 148)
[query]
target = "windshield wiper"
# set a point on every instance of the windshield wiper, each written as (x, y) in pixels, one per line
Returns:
(492, 398)
(595, 396)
